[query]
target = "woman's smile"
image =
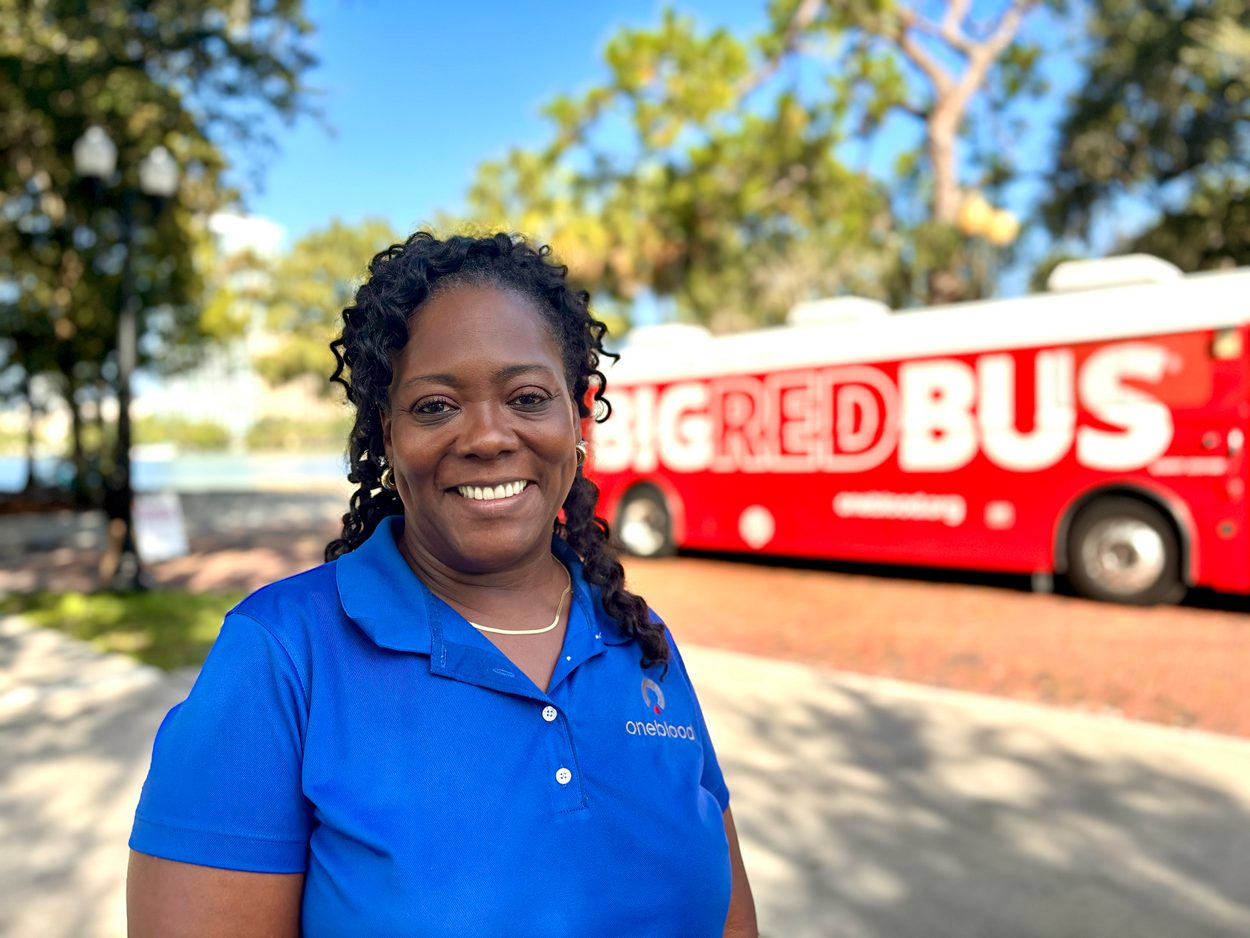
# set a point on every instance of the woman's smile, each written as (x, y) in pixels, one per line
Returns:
(486, 491)
(493, 500)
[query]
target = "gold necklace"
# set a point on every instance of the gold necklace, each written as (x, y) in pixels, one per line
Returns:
(546, 628)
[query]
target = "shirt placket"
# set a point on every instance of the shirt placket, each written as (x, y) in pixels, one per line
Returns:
(489, 668)
(583, 641)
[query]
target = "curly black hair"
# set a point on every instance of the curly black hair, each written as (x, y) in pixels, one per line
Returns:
(375, 328)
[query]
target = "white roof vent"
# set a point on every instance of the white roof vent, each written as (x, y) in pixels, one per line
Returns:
(1111, 272)
(837, 309)
(667, 334)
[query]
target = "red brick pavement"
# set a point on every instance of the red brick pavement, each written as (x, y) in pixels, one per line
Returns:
(1176, 665)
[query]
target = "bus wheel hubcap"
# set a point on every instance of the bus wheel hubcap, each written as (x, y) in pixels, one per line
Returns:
(1124, 555)
(643, 526)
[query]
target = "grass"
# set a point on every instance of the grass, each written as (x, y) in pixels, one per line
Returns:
(166, 628)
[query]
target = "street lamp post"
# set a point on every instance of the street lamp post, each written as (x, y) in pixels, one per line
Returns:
(95, 157)
(993, 227)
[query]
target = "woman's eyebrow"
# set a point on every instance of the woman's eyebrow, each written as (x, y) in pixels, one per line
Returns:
(515, 371)
(507, 373)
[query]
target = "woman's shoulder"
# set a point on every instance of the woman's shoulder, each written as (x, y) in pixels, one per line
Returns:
(296, 609)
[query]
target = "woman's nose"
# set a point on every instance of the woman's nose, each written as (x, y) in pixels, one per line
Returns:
(486, 431)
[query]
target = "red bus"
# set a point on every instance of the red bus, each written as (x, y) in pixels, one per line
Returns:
(1095, 431)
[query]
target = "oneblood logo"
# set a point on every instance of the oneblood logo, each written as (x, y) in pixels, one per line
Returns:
(935, 415)
(653, 700)
(652, 696)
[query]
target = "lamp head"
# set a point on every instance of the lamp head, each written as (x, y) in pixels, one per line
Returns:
(95, 154)
(158, 174)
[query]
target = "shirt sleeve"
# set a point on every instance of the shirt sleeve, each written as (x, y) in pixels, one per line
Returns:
(713, 779)
(224, 788)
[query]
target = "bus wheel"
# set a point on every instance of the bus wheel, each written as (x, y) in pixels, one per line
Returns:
(1124, 550)
(643, 523)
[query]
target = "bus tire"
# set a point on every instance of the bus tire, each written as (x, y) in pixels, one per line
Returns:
(644, 524)
(1125, 550)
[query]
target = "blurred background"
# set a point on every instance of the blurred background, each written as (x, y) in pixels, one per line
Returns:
(191, 190)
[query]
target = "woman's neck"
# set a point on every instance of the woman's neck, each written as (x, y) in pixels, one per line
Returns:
(510, 597)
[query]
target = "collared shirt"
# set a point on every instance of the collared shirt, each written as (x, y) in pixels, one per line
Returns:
(351, 725)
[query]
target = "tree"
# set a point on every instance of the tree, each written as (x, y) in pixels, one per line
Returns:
(1162, 120)
(195, 77)
(22, 356)
(310, 285)
(711, 169)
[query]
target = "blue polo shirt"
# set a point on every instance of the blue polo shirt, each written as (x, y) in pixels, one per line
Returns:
(351, 725)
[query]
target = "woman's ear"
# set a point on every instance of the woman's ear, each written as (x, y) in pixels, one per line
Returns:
(384, 415)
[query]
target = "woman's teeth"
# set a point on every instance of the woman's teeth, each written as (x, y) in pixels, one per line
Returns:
(488, 493)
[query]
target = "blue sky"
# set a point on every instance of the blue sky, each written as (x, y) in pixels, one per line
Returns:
(419, 93)
(416, 94)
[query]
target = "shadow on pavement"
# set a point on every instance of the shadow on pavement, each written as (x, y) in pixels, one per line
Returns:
(68, 786)
(866, 812)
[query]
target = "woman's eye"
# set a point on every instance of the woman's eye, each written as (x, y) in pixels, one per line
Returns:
(530, 399)
(433, 408)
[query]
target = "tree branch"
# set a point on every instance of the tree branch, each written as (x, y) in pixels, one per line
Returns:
(804, 15)
(1007, 27)
(955, 13)
(983, 54)
(949, 30)
(941, 78)
(913, 110)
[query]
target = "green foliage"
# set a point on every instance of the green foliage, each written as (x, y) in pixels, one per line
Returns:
(705, 168)
(234, 286)
(1212, 231)
(190, 435)
(290, 434)
(191, 77)
(166, 628)
(308, 288)
(1164, 109)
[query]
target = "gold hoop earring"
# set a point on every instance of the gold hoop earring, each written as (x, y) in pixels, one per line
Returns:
(388, 478)
(581, 452)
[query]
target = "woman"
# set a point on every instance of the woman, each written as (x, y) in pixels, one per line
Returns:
(463, 723)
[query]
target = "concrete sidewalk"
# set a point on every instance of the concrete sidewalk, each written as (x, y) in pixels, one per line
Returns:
(77, 730)
(870, 807)
(866, 807)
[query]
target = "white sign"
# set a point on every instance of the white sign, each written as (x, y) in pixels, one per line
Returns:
(160, 533)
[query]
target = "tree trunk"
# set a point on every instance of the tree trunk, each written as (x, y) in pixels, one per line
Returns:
(81, 486)
(99, 462)
(951, 94)
(30, 431)
(945, 283)
(943, 154)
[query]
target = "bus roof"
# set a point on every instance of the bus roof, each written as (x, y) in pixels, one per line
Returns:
(1194, 302)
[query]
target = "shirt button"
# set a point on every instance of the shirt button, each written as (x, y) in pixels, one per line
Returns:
(563, 776)
(549, 713)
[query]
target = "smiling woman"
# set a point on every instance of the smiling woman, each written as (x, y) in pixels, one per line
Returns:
(403, 740)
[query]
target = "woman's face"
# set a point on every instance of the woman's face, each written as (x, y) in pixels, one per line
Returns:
(479, 401)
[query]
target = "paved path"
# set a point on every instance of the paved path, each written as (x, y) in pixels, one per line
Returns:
(875, 808)
(77, 732)
(867, 807)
